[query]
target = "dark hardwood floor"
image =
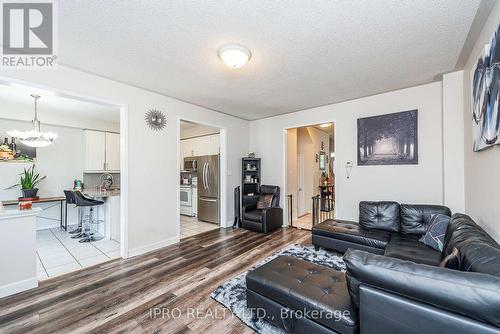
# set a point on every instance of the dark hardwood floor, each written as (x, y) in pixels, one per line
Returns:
(120, 296)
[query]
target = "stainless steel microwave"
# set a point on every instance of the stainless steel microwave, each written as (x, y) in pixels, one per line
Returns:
(190, 163)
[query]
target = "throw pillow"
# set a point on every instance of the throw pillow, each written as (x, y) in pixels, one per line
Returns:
(452, 261)
(434, 237)
(264, 201)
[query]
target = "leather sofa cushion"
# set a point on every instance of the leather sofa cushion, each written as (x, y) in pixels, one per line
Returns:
(415, 218)
(473, 295)
(301, 285)
(407, 247)
(462, 230)
(253, 215)
(481, 258)
(379, 215)
(478, 251)
(352, 232)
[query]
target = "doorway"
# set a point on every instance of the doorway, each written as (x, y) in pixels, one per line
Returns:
(310, 173)
(200, 178)
(90, 133)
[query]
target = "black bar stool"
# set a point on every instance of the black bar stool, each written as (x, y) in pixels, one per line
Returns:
(70, 199)
(88, 220)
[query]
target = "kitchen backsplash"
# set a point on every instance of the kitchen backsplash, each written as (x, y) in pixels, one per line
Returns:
(91, 180)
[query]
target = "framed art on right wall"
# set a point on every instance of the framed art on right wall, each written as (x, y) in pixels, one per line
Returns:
(485, 96)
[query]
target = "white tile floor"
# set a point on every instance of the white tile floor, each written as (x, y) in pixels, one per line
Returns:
(191, 226)
(58, 254)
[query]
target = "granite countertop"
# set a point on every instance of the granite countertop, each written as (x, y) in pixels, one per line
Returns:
(92, 192)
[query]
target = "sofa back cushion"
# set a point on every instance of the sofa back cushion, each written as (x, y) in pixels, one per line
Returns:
(379, 215)
(462, 230)
(478, 251)
(415, 218)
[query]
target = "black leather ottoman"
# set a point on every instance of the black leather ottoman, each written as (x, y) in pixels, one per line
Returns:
(301, 297)
(340, 235)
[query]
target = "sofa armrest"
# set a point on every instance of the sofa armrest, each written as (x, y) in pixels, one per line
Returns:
(273, 218)
(248, 207)
(474, 295)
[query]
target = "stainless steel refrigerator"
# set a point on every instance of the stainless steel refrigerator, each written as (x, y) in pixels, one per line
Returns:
(208, 188)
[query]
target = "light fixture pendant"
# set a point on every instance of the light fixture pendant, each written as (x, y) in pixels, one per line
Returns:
(34, 138)
(234, 56)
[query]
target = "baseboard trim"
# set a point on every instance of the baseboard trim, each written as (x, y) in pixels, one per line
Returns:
(152, 247)
(16, 287)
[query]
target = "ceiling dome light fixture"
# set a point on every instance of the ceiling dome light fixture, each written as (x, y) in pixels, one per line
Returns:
(234, 56)
(34, 138)
(326, 125)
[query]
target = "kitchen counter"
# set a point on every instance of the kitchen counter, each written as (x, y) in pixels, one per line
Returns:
(40, 200)
(18, 251)
(101, 193)
(109, 212)
(9, 214)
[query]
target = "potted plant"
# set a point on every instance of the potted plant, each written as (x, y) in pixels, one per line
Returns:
(29, 181)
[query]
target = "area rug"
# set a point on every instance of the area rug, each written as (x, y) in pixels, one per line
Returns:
(232, 294)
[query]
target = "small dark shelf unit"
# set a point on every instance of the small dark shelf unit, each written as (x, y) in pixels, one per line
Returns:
(248, 188)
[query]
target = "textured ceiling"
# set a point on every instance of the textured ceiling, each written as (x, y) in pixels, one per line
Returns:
(304, 53)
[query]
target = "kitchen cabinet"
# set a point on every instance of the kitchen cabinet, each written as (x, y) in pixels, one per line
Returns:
(206, 145)
(102, 152)
(112, 152)
(95, 150)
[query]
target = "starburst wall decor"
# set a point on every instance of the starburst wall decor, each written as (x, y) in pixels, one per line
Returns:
(156, 120)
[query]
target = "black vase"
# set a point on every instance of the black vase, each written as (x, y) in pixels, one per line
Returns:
(29, 193)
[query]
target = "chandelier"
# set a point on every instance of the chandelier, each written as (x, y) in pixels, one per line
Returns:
(34, 138)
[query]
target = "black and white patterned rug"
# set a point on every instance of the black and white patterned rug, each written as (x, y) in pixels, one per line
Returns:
(232, 294)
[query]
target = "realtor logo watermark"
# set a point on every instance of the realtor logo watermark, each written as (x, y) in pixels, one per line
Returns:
(29, 34)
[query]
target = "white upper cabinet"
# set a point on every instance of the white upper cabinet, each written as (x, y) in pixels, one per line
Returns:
(95, 150)
(102, 151)
(112, 152)
(214, 144)
(206, 145)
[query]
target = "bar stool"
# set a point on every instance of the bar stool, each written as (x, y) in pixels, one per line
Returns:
(88, 219)
(70, 199)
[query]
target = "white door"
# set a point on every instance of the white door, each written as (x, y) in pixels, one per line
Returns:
(112, 152)
(301, 205)
(95, 150)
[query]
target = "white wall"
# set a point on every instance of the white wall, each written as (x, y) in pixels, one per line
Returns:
(152, 207)
(482, 169)
(453, 142)
(422, 183)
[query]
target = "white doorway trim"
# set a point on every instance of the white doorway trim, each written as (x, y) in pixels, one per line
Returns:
(124, 157)
(284, 184)
(223, 171)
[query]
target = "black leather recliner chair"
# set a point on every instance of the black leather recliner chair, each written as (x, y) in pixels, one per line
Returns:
(263, 220)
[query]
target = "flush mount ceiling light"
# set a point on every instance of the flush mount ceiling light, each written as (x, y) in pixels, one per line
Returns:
(325, 125)
(34, 138)
(234, 56)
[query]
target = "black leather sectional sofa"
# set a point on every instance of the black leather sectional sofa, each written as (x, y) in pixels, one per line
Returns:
(393, 283)
(385, 228)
